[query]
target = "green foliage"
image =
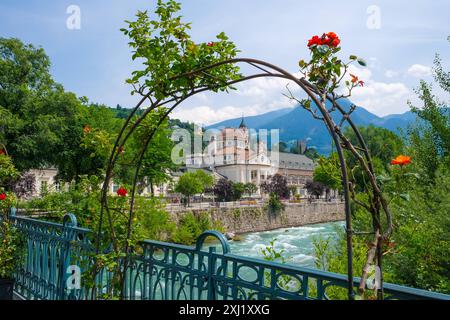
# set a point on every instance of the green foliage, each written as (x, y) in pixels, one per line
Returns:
(8, 171)
(167, 50)
(157, 164)
(312, 153)
(270, 253)
(250, 188)
(191, 226)
(429, 138)
(238, 190)
(274, 205)
(191, 183)
(417, 254)
(42, 125)
(328, 172)
(155, 221)
(12, 243)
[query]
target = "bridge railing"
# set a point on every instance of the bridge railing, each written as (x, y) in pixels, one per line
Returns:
(167, 271)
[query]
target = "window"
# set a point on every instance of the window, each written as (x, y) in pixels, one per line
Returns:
(57, 187)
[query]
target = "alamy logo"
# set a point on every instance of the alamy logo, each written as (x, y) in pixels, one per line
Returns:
(73, 22)
(374, 18)
(73, 281)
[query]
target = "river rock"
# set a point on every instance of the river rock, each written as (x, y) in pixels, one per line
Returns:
(230, 235)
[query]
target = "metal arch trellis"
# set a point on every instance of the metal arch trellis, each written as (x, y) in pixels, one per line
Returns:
(341, 142)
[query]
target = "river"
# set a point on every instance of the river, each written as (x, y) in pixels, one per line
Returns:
(297, 242)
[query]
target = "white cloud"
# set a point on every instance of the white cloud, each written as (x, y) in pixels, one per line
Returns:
(263, 88)
(418, 71)
(391, 73)
(206, 115)
(381, 98)
(252, 97)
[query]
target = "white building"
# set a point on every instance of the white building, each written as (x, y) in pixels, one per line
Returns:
(232, 154)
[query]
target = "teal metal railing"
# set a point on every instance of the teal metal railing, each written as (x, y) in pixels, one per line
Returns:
(167, 271)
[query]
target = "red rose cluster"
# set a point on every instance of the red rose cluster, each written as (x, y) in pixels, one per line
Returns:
(122, 192)
(330, 39)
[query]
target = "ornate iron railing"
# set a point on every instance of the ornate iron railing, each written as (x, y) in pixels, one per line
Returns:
(167, 271)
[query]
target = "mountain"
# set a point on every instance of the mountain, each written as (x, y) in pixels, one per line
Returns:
(258, 121)
(297, 123)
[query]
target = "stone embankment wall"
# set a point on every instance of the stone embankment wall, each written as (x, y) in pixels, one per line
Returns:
(253, 219)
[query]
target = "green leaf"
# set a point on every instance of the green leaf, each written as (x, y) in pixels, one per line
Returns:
(405, 196)
(362, 62)
(353, 57)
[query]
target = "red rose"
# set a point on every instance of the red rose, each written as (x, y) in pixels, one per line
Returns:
(122, 192)
(210, 44)
(329, 39)
(332, 35)
(2, 196)
(361, 83)
(335, 42)
(315, 40)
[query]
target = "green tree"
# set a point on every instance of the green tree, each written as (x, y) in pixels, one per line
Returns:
(191, 183)
(157, 164)
(250, 188)
(41, 124)
(328, 172)
(429, 137)
(238, 190)
(383, 144)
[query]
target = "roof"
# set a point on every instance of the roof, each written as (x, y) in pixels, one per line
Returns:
(292, 161)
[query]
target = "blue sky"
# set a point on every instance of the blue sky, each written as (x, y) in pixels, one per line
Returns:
(95, 60)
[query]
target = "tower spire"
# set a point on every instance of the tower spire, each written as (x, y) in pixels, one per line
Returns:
(242, 125)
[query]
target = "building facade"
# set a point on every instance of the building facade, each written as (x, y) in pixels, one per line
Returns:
(232, 154)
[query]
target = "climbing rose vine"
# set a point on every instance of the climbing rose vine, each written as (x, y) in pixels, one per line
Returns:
(325, 70)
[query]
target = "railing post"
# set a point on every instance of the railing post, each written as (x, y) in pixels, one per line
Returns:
(211, 271)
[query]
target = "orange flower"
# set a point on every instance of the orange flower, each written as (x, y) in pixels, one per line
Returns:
(86, 129)
(354, 78)
(401, 160)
